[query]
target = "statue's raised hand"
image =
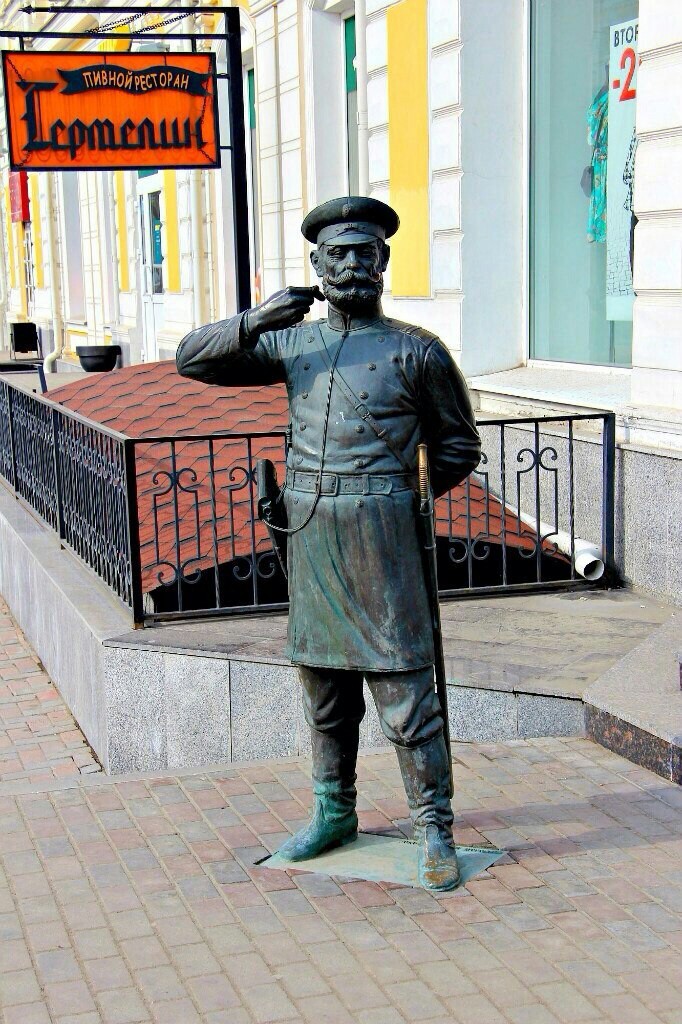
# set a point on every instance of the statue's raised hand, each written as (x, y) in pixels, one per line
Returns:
(283, 309)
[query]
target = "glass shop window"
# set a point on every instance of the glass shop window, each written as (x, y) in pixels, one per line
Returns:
(154, 200)
(73, 246)
(352, 152)
(584, 57)
(252, 171)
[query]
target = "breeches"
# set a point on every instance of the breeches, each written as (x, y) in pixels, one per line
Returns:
(408, 708)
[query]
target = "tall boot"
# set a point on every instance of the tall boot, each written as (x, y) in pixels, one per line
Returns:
(426, 777)
(334, 821)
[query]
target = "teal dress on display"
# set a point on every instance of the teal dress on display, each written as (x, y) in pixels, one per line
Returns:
(597, 122)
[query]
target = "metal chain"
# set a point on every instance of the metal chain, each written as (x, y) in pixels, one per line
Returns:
(323, 447)
(164, 23)
(114, 24)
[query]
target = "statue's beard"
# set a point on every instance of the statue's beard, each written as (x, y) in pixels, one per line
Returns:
(353, 293)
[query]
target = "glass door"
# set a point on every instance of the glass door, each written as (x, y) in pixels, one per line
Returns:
(151, 257)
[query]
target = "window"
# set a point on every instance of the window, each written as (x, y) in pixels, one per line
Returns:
(154, 200)
(29, 266)
(352, 154)
(150, 237)
(583, 99)
(252, 146)
(73, 246)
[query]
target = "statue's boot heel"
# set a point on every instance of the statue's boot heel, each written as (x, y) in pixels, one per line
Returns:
(438, 868)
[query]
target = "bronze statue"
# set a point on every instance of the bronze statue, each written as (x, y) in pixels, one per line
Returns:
(364, 391)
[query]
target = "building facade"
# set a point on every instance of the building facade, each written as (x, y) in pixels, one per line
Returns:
(533, 149)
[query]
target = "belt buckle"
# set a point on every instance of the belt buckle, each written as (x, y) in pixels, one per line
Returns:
(335, 485)
(366, 484)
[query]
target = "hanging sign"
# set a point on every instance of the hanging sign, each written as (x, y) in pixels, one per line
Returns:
(97, 111)
(622, 142)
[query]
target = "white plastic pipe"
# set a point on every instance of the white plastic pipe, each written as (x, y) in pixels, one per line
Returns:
(588, 560)
(110, 214)
(55, 278)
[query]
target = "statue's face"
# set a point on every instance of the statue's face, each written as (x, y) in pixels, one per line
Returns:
(351, 274)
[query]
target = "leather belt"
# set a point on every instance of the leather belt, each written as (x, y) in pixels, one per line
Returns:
(356, 483)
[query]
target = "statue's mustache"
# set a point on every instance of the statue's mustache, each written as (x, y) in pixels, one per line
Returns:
(352, 276)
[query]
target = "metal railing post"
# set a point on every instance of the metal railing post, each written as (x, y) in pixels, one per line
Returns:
(57, 474)
(240, 198)
(608, 491)
(10, 427)
(133, 533)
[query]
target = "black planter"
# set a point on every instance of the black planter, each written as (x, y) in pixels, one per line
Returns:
(98, 358)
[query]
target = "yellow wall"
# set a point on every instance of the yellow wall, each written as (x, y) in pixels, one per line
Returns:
(122, 232)
(172, 269)
(408, 141)
(116, 45)
(36, 227)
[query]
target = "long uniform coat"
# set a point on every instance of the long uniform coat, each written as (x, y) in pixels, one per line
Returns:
(358, 596)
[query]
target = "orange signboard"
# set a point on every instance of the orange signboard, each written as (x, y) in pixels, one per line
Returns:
(97, 111)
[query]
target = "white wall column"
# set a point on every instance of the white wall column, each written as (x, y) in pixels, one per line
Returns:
(279, 115)
(657, 339)
(493, 140)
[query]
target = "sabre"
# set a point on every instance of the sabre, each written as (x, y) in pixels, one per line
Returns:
(428, 531)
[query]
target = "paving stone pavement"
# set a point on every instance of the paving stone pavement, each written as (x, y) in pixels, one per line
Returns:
(39, 738)
(138, 899)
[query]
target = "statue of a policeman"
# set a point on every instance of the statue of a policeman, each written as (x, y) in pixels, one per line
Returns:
(364, 390)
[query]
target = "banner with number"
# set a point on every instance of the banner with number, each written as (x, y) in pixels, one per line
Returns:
(623, 60)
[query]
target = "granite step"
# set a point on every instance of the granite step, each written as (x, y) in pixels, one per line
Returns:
(635, 707)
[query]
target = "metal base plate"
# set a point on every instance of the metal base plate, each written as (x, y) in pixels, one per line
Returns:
(380, 858)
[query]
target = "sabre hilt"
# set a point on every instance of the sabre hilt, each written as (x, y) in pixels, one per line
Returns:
(423, 471)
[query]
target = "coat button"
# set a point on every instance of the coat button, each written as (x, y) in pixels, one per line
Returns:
(364, 394)
(381, 339)
(304, 394)
(302, 426)
(359, 503)
(299, 460)
(360, 463)
(359, 429)
(295, 501)
(306, 366)
(371, 366)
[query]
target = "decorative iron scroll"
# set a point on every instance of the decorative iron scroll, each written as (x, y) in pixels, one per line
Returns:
(199, 519)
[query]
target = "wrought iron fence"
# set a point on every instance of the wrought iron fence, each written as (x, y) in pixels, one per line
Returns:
(77, 475)
(170, 523)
